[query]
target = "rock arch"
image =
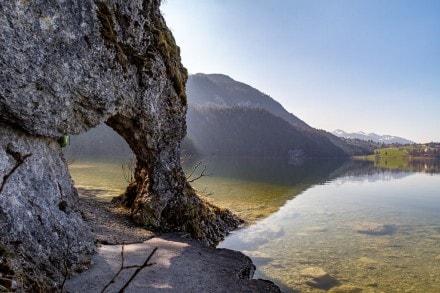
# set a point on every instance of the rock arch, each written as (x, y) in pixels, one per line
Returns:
(161, 198)
(65, 68)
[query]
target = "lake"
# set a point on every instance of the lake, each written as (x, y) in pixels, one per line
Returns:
(351, 224)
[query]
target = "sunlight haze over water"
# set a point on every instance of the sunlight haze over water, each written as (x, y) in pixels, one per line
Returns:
(371, 66)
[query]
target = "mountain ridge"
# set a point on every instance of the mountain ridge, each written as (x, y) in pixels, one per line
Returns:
(222, 90)
(388, 139)
(220, 108)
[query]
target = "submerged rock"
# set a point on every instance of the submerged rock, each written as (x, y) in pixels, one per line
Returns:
(345, 289)
(376, 229)
(367, 261)
(318, 278)
(313, 229)
(65, 68)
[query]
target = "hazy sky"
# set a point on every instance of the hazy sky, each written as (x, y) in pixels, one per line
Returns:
(370, 65)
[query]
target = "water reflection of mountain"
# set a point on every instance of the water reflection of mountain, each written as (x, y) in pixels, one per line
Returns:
(279, 171)
(366, 171)
(426, 165)
(372, 171)
(354, 168)
(254, 188)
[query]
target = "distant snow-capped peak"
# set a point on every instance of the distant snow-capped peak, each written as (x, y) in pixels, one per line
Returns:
(372, 136)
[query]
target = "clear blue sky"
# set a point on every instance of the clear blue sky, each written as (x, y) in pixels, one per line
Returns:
(370, 65)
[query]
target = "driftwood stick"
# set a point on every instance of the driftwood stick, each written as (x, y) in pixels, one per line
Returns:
(194, 169)
(200, 175)
(120, 270)
(139, 268)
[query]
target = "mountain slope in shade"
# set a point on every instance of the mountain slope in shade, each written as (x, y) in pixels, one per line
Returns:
(227, 117)
(253, 132)
(388, 139)
(222, 91)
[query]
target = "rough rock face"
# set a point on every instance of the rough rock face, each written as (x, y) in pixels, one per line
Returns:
(178, 265)
(38, 219)
(65, 67)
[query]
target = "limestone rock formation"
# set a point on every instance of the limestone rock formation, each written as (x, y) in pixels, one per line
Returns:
(41, 231)
(178, 265)
(65, 67)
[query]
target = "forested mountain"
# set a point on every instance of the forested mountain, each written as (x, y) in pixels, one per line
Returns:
(227, 117)
(253, 132)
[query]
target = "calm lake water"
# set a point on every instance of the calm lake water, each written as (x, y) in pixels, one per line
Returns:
(367, 227)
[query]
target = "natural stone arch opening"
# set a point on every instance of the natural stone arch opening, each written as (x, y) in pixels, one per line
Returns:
(160, 197)
(100, 162)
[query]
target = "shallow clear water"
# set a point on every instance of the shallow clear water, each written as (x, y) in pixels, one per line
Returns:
(369, 228)
(102, 179)
(319, 228)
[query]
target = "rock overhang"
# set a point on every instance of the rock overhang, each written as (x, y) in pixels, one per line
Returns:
(67, 67)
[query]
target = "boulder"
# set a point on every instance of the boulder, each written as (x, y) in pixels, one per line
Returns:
(318, 278)
(375, 229)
